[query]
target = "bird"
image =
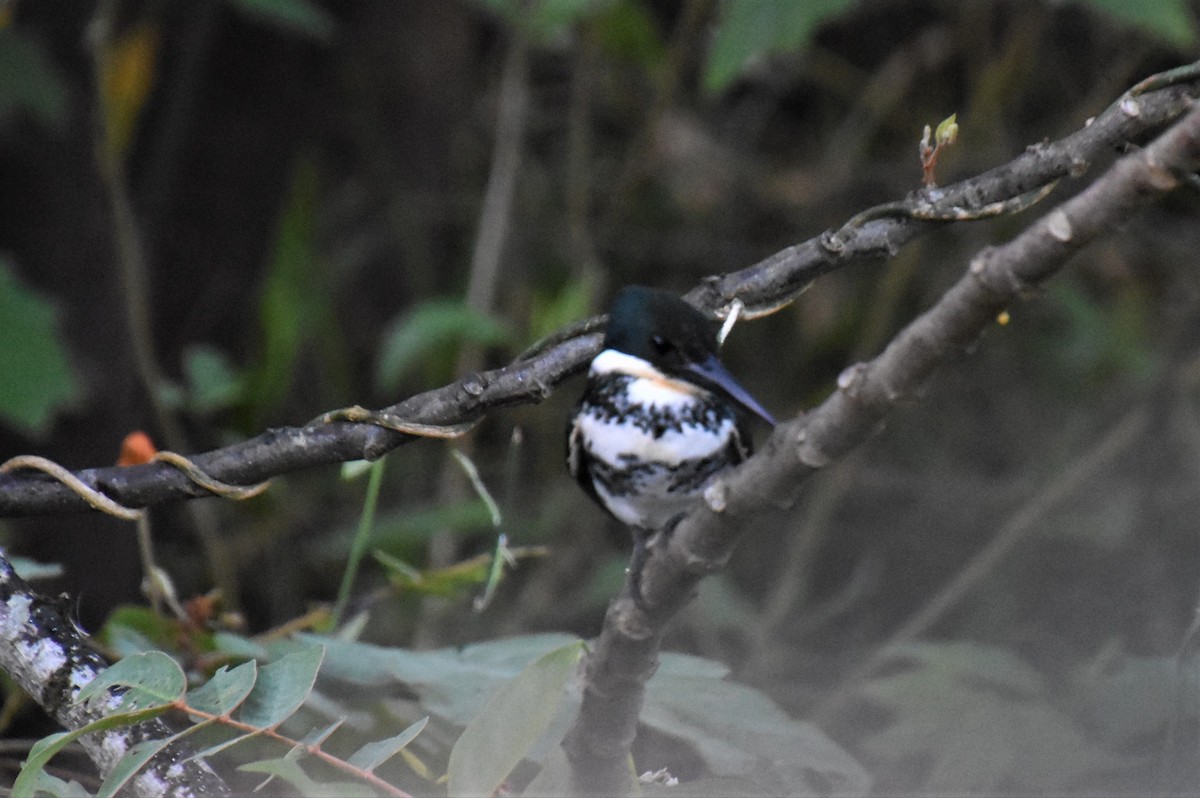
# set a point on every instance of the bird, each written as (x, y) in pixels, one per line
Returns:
(659, 418)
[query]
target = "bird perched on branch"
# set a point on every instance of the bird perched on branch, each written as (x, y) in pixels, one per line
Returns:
(659, 419)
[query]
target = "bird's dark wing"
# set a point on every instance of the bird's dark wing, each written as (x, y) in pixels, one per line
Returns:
(577, 458)
(741, 445)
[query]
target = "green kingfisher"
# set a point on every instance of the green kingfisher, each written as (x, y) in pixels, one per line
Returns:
(659, 419)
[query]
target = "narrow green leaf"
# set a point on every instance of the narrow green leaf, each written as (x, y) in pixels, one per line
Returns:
(153, 680)
(129, 765)
(289, 770)
(319, 735)
(511, 722)
(281, 688)
(372, 755)
(38, 381)
(56, 787)
(39, 755)
(216, 748)
(45, 749)
(362, 536)
(225, 691)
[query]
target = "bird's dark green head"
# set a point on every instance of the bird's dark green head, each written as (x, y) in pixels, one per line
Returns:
(674, 337)
(660, 328)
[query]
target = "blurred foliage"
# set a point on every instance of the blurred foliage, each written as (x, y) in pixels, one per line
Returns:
(1008, 735)
(429, 336)
(38, 381)
(296, 312)
(307, 179)
(542, 20)
(1170, 19)
(303, 17)
(750, 31)
(29, 82)
(211, 382)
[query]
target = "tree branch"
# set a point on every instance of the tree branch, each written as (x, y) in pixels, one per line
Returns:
(875, 234)
(626, 654)
(43, 651)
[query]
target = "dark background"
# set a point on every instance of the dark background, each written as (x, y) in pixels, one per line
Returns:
(304, 183)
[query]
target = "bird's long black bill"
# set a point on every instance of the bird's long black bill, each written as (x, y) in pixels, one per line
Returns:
(713, 374)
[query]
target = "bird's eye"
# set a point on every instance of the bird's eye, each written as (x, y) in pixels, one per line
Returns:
(661, 345)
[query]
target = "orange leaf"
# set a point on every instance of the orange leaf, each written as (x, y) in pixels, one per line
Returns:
(136, 449)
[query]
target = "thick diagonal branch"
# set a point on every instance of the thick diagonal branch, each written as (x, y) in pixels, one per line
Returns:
(872, 235)
(626, 654)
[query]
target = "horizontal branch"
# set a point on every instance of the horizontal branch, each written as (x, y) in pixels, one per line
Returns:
(875, 234)
(626, 654)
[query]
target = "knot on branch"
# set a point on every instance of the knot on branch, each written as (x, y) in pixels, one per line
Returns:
(997, 277)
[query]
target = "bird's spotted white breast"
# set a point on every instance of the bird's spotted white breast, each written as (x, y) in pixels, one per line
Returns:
(649, 443)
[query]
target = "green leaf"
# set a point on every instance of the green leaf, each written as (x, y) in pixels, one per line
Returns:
(1169, 19)
(448, 582)
(452, 683)
(238, 646)
(38, 382)
(225, 691)
(290, 771)
(372, 755)
(152, 680)
(44, 783)
(739, 732)
(511, 722)
(750, 30)
(45, 749)
(282, 687)
(554, 779)
(429, 329)
(129, 765)
(213, 383)
(135, 630)
(297, 16)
